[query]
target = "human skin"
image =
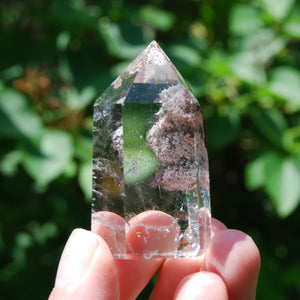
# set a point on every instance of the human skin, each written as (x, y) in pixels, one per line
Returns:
(228, 270)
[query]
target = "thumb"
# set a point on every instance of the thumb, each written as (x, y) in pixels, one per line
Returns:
(86, 269)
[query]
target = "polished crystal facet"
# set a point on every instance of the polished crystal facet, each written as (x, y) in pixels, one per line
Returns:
(150, 165)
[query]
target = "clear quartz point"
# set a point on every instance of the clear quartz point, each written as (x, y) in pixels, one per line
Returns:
(150, 165)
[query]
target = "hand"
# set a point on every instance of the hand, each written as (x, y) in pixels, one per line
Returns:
(229, 270)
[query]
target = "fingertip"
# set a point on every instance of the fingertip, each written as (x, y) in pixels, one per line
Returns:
(152, 232)
(202, 285)
(110, 227)
(235, 257)
(217, 226)
(171, 273)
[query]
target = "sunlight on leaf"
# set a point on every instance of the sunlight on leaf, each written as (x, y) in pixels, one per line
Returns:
(246, 68)
(18, 118)
(282, 177)
(245, 19)
(56, 151)
(254, 173)
(278, 9)
(160, 19)
(285, 83)
(9, 163)
(292, 25)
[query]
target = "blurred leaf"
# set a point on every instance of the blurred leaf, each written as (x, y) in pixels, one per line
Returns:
(263, 45)
(56, 151)
(115, 43)
(254, 173)
(11, 72)
(78, 100)
(278, 9)
(285, 83)
(221, 130)
(292, 26)
(271, 123)
(282, 177)
(83, 148)
(9, 163)
(70, 170)
(41, 233)
(245, 19)
(64, 70)
(74, 15)
(85, 179)
(161, 19)
(63, 40)
(17, 119)
(217, 63)
(246, 67)
(24, 240)
(291, 139)
(188, 55)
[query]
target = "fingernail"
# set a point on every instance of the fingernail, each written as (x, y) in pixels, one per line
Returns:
(76, 257)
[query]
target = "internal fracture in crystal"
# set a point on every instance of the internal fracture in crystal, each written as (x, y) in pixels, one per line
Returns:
(150, 164)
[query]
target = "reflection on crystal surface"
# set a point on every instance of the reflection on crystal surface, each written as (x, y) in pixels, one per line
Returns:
(151, 180)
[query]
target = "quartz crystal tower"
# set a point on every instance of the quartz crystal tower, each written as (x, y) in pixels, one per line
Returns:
(150, 164)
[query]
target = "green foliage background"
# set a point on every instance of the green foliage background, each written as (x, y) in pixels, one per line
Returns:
(241, 59)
